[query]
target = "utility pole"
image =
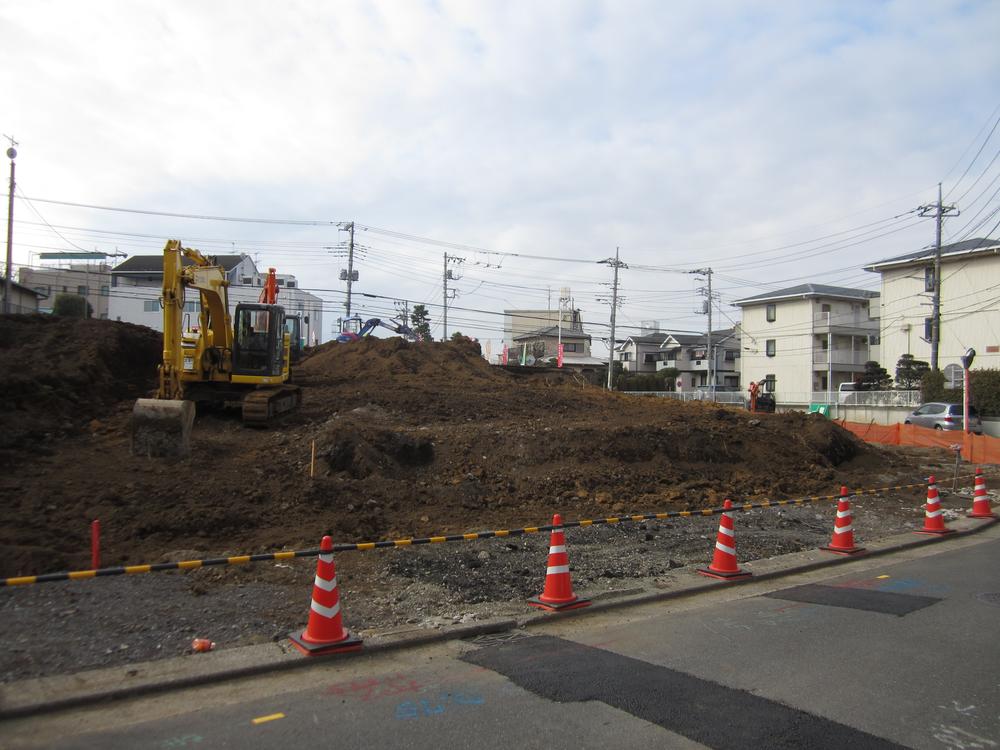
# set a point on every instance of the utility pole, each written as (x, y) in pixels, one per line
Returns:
(448, 274)
(708, 305)
(616, 264)
(350, 266)
(8, 287)
(939, 212)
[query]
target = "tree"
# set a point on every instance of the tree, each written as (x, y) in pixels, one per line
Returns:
(72, 306)
(420, 321)
(874, 378)
(909, 371)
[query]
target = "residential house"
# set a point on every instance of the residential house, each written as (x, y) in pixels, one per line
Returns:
(136, 287)
(89, 280)
(639, 354)
(688, 354)
(970, 279)
(23, 299)
(808, 338)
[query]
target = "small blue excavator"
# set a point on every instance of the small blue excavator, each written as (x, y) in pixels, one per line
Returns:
(364, 330)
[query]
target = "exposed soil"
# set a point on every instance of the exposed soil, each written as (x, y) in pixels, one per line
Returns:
(410, 440)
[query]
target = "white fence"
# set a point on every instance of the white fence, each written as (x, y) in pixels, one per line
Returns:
(853, 398)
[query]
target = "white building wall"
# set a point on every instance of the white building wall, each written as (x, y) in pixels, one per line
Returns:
(141, 305)
(791, 331)
(970, 313)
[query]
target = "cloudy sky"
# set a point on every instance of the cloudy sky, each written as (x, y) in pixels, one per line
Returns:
(775, 142)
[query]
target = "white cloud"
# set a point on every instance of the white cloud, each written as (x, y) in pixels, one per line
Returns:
(675, 130)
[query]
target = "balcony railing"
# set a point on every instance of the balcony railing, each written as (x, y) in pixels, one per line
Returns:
(839, 357)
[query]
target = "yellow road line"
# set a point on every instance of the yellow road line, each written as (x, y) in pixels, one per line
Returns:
(265, 719)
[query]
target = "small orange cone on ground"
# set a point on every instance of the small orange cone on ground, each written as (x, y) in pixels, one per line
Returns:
(843, 528)
(558, 593)
(933, 520)
(980, 503)
(325, 633)
(724, 565)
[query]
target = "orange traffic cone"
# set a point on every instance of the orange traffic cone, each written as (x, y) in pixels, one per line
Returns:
(558, 593)
(933, 520)
(980, 504)
(724, 565)
(325, 633)
(843, 529)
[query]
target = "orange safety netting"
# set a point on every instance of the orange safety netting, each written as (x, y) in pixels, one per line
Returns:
(980, 449)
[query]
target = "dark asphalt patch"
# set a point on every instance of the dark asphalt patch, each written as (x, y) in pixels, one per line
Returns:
(885, 602)
(703, 711)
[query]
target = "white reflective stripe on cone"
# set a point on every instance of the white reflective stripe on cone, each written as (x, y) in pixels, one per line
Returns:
(325, 611)
(557, 548)
(933, 513)
(727, 532)
(843, 529)
(844, 513)
(327, 558)
(556, 569)
(325, 584)
(724, 548)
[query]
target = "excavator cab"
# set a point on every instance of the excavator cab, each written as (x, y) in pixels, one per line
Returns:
(259, 340)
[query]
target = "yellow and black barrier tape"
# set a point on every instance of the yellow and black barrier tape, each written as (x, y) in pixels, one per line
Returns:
(387, 543)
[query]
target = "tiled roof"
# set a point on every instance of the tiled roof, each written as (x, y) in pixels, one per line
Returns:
(146, 264)
(810, 290)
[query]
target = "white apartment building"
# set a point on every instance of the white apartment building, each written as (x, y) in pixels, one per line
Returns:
(970, 305)
(137, 285)
(808, 338)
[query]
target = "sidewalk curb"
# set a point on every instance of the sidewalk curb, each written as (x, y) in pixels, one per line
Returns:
(31, 697)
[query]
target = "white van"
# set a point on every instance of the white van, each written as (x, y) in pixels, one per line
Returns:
(844, 393)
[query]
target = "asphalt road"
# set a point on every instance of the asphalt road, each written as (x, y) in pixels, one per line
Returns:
(899, 651)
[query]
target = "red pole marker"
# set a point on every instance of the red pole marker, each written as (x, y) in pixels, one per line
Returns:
(558, 593)
(724, 566)
(980, 503)
(95, 544)
(843, 529)
(933, 520)
(325, 633)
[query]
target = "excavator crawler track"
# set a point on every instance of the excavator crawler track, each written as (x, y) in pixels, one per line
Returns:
(263, 405)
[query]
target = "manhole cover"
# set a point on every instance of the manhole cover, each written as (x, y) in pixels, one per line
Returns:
(990, 598)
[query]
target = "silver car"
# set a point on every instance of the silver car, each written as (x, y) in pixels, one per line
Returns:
(940, 416)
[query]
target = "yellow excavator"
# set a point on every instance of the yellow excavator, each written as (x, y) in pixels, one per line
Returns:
(222, 361)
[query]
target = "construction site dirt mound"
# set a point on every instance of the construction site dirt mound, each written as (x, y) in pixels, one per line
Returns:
(393, 440)
(57, 374)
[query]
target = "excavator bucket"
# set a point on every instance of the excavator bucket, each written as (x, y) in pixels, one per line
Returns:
(161, 427)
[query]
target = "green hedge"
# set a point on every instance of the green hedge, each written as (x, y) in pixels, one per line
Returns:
(985, 391)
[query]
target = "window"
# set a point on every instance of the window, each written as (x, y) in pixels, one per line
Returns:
(290, 284)
(731, 355)
(772, 313)
(649, 358)
(281, 282)
(82, 290)
(191, 306)
(769, 383)
(151, 305)
(569, 347)
(824, 308)
(104, 290)
(769, 347)
(625, 356)
(929, 280)
(247, 280)
(928, 328)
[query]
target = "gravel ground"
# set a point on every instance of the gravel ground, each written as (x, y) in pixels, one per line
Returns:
(77, 625)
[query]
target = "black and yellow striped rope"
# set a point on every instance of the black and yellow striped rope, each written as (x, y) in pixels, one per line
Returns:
(497, 534)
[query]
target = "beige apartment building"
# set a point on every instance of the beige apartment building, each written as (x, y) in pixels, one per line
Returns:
(808, 339)
(970, 305)
(90, 280)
